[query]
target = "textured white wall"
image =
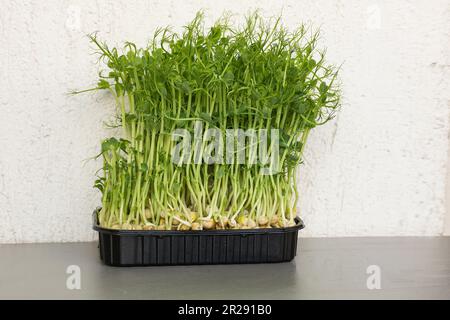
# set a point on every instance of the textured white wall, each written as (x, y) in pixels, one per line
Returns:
(379, 169)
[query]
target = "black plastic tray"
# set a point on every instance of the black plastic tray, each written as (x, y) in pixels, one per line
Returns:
(151, 247)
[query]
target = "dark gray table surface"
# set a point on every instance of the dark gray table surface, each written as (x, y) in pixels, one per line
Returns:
(325, 268)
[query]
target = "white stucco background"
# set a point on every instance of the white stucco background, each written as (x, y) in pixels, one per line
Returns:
(379, 169)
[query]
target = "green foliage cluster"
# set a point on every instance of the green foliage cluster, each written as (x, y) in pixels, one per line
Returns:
(256, 76)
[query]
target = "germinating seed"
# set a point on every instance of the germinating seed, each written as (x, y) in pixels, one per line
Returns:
(232, 223)
(196, 226)
(208, 224)
(263, 220)
(274, 220)
(222, 222)
(242, 220)
(184, 227)
(127, 226)
(251, 223)
(251, 77)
